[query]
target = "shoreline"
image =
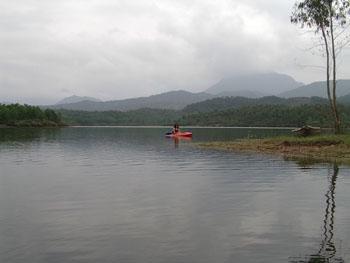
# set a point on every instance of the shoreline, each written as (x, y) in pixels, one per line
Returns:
(33, 125)
(149, 126)
(314, 149)
(158, 126)
(183, 127)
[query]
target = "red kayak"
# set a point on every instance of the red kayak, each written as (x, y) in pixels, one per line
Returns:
(178, 134)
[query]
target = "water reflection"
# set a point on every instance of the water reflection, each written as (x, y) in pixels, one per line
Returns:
(177, 141)
(15, 135)
(108, 194)
(327, 251)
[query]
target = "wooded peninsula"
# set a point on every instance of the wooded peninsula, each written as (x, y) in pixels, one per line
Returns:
(16, 115)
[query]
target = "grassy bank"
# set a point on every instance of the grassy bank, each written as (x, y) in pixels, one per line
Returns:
(321, 148)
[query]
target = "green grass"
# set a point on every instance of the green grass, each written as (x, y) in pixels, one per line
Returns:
(313, 140)
(319, 148)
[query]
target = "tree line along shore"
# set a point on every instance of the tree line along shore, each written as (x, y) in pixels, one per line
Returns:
(335, 148)
(245, 116)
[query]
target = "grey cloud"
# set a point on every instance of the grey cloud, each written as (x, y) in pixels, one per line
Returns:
(117, 49)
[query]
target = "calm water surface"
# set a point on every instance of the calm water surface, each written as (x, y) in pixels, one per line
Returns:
(130, 195)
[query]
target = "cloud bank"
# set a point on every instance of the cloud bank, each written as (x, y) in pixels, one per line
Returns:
(113, 49)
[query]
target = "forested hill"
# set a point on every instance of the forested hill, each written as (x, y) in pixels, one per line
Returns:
(28, 116)
(266, 116)
(226, 103)
(247, 116)
(228, 111)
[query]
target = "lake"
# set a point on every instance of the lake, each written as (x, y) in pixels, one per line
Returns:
(107, 194)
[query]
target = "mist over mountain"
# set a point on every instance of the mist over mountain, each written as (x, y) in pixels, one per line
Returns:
(254, 85)
(174, 100)
(75, 99)
(242, 93)
(228, 93)
(319, 89)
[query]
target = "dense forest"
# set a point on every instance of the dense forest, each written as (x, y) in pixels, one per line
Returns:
(28, 116)
(265, 116)
(227, 103)
(248, 116)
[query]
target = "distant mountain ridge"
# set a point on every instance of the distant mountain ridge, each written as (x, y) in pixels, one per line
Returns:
(254, 85)
(174, 100)
(75, 99)
(242, 93)
(229, 90)
(319, 89)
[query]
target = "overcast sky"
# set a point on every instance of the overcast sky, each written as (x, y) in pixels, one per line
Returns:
(113, 49)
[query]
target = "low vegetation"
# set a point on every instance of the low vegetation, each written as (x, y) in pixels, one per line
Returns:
(320, 148)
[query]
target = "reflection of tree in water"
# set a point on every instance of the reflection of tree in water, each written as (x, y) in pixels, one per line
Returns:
(27, 134)
(327, 251)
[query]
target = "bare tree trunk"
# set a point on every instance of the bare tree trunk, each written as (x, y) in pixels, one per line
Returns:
(334, 97)
(328, 70)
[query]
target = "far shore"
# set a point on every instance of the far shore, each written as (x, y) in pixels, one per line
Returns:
(157, 126)
(28, 125)
(183, 127)
(186, 127)
(320, 148)
(33, 125)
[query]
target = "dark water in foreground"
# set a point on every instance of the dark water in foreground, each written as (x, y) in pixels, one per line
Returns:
(130, 195)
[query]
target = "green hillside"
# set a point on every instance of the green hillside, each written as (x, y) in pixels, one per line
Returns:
(266, 116)
(226, 103)
(258, 115)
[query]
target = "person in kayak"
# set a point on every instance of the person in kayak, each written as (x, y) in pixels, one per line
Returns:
(176, 129)
(176, 133)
